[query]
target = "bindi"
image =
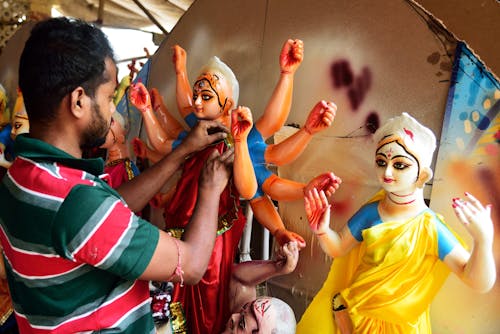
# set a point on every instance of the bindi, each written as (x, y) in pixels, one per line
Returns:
(262, 307)
(389, 153)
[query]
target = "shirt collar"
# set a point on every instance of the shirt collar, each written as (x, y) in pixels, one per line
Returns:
(38, 150)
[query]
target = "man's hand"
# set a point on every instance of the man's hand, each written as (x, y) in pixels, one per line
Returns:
(216, 171)
(287, 257)
(203, 134)
(291, 55)
(320, 117)
(241, 123)
(139, 97)
(179, 59)
(326, 182)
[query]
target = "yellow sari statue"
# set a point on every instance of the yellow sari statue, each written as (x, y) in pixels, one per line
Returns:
(395, 253)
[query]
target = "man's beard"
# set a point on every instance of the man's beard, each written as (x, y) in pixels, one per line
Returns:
(97, 130)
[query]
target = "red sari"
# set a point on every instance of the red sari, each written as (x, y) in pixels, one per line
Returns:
(5, 302)
(205, 305)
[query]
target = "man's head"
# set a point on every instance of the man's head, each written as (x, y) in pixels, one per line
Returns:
(60, 56)
(264, 315)
(215, 91)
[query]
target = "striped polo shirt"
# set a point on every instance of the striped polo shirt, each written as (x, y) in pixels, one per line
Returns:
(73, 248)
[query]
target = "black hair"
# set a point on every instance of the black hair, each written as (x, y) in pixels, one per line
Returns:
(60, 55)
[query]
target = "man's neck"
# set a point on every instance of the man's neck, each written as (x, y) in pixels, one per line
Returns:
(57, 138)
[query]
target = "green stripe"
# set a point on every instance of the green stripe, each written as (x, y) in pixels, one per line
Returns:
(136, 257)
(22, 244)
(34, 283)
(83, 295)
(29, 198)
(98, 215)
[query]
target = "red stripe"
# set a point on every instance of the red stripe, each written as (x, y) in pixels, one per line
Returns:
(31, 176)
(106, 236)
(34, 264)
(101, 318)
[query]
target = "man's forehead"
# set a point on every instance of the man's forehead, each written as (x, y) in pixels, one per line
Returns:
(111, 71)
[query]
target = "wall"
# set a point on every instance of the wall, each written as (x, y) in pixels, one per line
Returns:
(400, 59)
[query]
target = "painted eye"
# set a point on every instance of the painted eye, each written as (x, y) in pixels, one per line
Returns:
(400, 165)
(206, 97)
(17, 125)
(380, 163)
(241, 323)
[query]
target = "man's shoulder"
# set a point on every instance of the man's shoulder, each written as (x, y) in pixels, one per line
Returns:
(47, 178)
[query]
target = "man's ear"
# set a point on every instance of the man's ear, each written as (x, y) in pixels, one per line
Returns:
(78, 102)
(425, 175)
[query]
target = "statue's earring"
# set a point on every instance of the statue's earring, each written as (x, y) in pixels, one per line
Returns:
(425, 175)
(114, 136)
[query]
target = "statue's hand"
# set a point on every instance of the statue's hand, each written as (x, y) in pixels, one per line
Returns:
(284, 236)
(320, 117)
(475, 217)
(241, 123)
(139, 147)
(326, 182)
(156, 99)
(291, 55)
(139, 97)
(179, 59)
(317, 211)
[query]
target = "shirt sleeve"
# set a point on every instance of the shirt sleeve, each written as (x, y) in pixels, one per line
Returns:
(95, 227)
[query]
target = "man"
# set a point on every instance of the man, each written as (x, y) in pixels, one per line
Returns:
(77, 258)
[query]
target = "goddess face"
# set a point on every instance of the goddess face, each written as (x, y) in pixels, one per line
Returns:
(211, 97)
(115, 135)
(397, 169)
(19, 125)
(259, 316)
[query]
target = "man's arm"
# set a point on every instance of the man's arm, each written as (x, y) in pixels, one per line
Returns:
(138, 191)
(187, 260)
